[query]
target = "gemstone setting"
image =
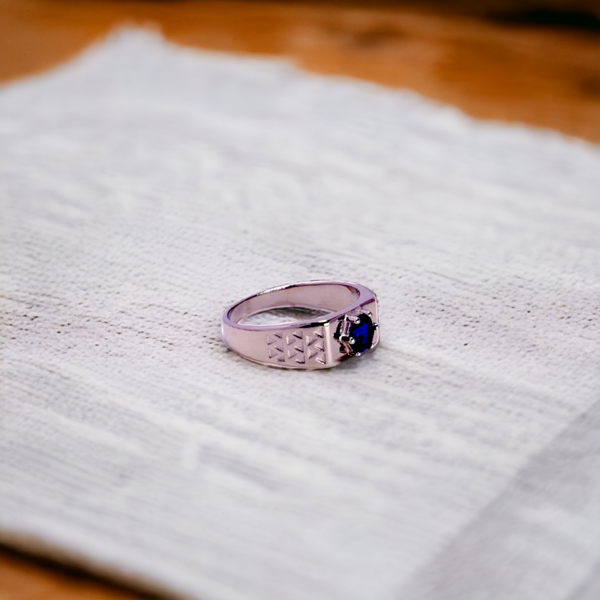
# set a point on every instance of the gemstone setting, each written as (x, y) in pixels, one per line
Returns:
(356, 334)
(362, 333)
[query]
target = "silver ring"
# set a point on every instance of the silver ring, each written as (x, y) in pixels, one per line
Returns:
(349, 329)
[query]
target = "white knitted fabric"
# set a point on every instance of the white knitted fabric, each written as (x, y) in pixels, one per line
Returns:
(145, 187)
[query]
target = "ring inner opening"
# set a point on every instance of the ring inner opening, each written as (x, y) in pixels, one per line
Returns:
(323, 298)
(283, 316)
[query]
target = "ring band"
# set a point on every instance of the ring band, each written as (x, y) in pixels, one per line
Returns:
(349, 329)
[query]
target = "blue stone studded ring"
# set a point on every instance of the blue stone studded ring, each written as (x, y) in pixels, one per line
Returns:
(349, 329)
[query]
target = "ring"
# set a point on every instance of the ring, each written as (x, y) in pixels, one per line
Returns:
(350, 327)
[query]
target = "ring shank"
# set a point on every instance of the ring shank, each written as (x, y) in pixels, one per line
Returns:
(316, 296)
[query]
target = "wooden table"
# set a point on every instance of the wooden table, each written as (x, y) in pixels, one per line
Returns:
(543, 76)
(548, 77)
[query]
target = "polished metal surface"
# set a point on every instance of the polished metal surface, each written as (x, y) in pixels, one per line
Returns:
(314, 343)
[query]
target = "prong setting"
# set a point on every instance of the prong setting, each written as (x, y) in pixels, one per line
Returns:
(356, 333)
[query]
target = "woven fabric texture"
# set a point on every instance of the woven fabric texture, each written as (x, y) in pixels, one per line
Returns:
(145, 187)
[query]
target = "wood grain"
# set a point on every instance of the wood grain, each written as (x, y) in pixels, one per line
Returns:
(541, 76)
(25, 578)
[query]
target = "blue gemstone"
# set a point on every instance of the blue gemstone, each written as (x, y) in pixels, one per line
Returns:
(362, 332)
